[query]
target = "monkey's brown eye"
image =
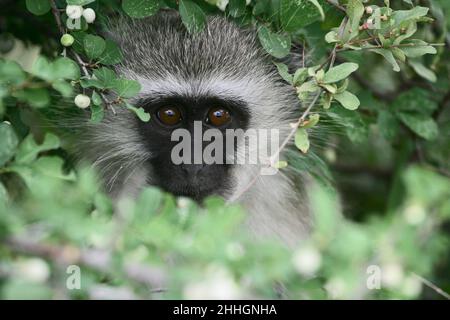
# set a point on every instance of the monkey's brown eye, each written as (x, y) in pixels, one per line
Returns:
(218, 117)
(169, 116)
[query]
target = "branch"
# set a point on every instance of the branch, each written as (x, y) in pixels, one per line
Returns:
(280, 149)
(81, 63)
(432, 286)
(96, 259)
(295, 127)
(335, 4)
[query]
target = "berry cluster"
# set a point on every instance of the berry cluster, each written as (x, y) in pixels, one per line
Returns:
(76, 12)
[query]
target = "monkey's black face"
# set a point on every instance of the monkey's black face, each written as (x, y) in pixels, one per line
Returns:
(194, 176)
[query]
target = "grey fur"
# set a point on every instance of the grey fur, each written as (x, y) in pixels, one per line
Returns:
(224, 60)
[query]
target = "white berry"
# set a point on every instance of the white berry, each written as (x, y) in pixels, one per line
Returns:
(82, 101)
(369, 10)
(74, 12)
(307, 260)
(89, 15)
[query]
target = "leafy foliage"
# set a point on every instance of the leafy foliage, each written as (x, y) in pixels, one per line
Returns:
(374, 85)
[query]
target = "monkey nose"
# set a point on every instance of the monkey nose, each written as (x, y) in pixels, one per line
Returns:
(192, 169)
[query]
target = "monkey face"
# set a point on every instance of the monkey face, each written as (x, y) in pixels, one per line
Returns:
(186, 171)
(219, 79)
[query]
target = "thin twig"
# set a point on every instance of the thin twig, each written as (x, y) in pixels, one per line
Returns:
(280, 149)
(336, 5)
(295, 127)
(432, 286)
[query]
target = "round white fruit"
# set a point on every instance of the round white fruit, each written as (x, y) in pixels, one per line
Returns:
(74, 11)
(89, 15)
(82, 101)
(307, 260)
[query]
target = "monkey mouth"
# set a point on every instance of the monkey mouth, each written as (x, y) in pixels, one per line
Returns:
(197, 193)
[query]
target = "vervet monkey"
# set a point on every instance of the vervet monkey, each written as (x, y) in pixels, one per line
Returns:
(220, 77)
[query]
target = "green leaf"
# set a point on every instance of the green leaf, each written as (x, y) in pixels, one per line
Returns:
(192, 16)
(355, 11)
(309, 86)
(411, 29)
(141, 8)
(423, 71)
(356, 128)
(387, 54)
(8, 143)
(398, 54)
(280, 164)
(148, 203)
(92, 83)
(427, 186)
(93, 46)
(11, 73)
(297, 14)
(302, 140)
(4, 197)
(418, 49)
(51, 166)
(422, 125)
(312, 121)
(276, 45)
(332, 37)
(283, 70)
(38, 7)
(340, 72)
(326, 100)
(401, 16)
(112, 54)
(42, 68)
(236, 8)
(347, 100)
(65, 68)
(29, 149)
(140, 112)
(319, 7)
(97, 113)
(105, 76)
(388, 124)
(96, 99)
(331, 88)
(300, 76)
(36, 97)
(416, 100)
(63, 87)
(126, 88)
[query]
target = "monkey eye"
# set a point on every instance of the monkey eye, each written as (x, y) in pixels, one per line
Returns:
(169, 116)
(218, 117)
